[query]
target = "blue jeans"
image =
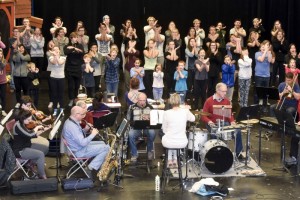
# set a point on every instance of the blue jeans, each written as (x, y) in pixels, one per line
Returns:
(157, 93)
(261, 82)
(96, 149)
(134, 134)
(238, 134)
(12, 67)
(182, 96)
(112, 88)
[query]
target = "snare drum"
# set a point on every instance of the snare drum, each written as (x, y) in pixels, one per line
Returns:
(227, 135)
(200, 139)
(216, 157)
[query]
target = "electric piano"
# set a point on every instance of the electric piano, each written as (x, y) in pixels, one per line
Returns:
(272, 124)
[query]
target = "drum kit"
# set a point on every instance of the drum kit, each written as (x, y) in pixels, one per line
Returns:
(214, 154)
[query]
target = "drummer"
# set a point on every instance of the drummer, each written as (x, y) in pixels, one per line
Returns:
(219, 98)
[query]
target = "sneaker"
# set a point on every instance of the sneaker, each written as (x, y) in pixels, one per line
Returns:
(241, 157)
(260, 102)
(50, 105)
(55, 112)
(291, 160)
(150, 155)
(71, 103)
(4, 113)
(89, 172)
(133, 159)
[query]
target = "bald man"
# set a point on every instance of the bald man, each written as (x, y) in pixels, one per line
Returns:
(136, 112)
(81, 145)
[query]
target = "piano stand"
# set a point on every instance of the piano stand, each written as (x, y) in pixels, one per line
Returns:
(282, 167)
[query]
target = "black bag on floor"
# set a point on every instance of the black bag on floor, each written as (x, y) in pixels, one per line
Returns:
(37, 185)
(77, 184)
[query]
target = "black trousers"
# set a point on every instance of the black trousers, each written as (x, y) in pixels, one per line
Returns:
(148, 80)
(57, 86)
(21, 83)
(3, 95)
(73, 86)
(200, 87)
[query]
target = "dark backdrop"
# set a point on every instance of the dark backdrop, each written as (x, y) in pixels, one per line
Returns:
(181, 11)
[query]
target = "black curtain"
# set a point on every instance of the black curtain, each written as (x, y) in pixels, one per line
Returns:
(181, 11)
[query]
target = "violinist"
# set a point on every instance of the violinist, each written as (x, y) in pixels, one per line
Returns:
(24, 131)
(26, 105)
(289, 93)
(87, 122)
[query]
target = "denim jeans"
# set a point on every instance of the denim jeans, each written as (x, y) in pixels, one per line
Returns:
(112, 88)
(134, 134)
(96, 149)
(238, 134)
(12, 67)
(157, 93)
(182, 96)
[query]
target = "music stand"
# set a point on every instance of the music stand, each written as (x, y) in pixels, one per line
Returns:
(54, 134)
(267, 93)
(285, 120)
(245, 114)
(105, 122)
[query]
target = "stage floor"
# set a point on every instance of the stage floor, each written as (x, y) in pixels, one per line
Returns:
(275, 185)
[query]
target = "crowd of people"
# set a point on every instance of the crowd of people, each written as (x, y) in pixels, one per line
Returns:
(205, 75)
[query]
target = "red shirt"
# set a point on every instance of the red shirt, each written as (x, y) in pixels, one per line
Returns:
(208, 107)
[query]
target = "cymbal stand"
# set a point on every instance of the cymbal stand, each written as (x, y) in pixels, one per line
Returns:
(247, 148)
(282, 167)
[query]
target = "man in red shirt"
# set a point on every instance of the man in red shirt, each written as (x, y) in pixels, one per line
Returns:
(219, 98)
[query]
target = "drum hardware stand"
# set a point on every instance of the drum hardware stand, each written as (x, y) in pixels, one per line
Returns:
(282, 167)
(247, 159)
(193, 152)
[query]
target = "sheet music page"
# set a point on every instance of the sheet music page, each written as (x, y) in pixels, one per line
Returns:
(1, 129)
(160, 116)
(153, 117)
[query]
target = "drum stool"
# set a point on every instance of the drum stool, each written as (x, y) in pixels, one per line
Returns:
(166, 171)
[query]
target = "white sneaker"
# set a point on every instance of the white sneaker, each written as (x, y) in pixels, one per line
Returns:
(50, 105)
(291, 160)
(4, 113)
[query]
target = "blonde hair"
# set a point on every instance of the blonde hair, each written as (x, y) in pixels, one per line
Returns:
(30, 64)
(174, 100)
(150, 18)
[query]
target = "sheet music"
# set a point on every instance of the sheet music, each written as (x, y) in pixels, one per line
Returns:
(153, 117)
(156, 117)
(222, 110)
(1, 129)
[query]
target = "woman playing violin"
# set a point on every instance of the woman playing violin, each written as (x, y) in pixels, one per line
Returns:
(39, 142)
(21, 144)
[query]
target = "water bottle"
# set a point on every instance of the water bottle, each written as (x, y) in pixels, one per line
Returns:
(157, 183)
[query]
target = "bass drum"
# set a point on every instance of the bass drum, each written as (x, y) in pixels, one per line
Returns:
(216, 157)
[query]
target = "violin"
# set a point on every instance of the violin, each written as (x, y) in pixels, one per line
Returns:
(84, 123)
(32, 124)
(39, 115)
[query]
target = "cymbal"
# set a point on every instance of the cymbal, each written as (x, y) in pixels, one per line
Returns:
(250, 121)
(201, 113)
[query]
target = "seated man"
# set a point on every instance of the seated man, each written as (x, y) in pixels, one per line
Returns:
(136, 112)
(219, 98)
(287, 94)
(84, 146)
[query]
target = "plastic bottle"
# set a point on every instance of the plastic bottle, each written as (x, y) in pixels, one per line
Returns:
(157, 183)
